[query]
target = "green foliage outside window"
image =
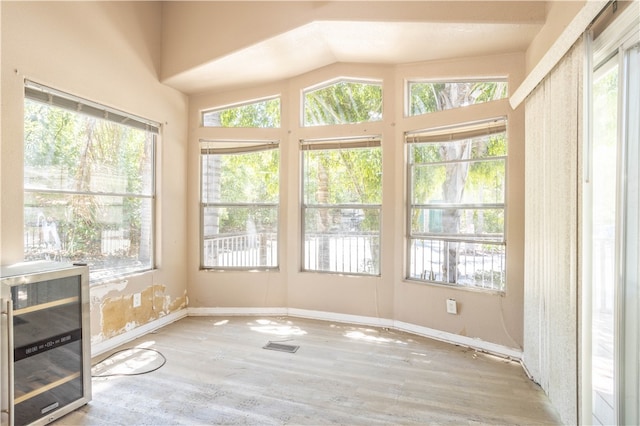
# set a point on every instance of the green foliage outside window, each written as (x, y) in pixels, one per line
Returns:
(457, 189)
(261, 114)
(431, 97)
(245, 178)
(344, 102)
(342, 197)
(88, 190)
(354, 175)
(459, 185)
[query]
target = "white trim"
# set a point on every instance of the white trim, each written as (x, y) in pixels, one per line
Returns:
(107, 345)
(235, 312)
(558, 49)
(337, 317)
(477, 344)
(617, 33)
(456, 339)
(584, 353)
(526, 370)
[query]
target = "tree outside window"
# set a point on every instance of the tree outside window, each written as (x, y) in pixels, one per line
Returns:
(342, 102)
(342, 201)
(239, 204)
(428, 97)
(456, 232)
(89, 184)
(254, 114)
(457, 179)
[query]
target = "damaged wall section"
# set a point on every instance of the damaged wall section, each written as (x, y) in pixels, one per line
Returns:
(113, 311)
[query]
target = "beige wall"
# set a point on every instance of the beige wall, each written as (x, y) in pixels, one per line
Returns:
(491, 317)
(559, 15)
(107, 52)
(486, 316)
(116, 53)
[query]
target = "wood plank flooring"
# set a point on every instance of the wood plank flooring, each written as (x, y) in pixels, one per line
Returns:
(217, 372)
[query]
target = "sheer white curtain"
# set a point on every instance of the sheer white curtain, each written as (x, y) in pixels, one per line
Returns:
(552, 203)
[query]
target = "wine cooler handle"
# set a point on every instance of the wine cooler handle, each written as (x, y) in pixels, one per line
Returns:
(10, 389)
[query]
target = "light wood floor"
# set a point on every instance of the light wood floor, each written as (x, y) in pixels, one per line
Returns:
(217, 372)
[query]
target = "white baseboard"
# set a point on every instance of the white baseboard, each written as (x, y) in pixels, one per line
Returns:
(107, 345)
(235, 312)
(337, 317)
(477, 344)
(456, 339)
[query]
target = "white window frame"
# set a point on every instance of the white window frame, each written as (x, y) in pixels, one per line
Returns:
(344, 239)
(46, 95)
(224, 108)
(462, 131)
(332, 82)
(232, 253)
(409, 83)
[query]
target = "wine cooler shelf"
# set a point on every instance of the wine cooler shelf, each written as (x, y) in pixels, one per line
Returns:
(45, 342)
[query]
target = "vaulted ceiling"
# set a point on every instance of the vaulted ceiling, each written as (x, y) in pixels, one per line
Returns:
(208, 46)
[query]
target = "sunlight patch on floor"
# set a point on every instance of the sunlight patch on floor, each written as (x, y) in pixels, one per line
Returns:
(272, 327)
(359, 335)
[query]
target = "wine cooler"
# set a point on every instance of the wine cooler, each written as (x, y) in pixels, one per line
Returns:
(45, 341)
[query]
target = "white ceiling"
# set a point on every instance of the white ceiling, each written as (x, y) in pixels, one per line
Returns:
(321, 43)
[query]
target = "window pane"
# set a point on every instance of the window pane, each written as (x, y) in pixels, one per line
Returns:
(457, 197)
(240, 193)
(343, 176)
(482, 223)
(342, 193)
(480, 265)
(89, 187)
(111, 233)
(343, 102)
(479, 148)
(240, 237)
(479, 182)
(68, 151)
(342, 240)
(263, 114)
(604, 214)
(251, 177)
(430, 97)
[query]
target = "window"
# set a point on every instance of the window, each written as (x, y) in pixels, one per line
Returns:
(89, 184)
(426, 97)
(263, 113)
(342, 196)
(239, 204)
(342, 102)
(456, 188)
(610, 218)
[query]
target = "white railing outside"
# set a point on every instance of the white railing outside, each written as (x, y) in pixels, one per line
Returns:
(350, 253)
(259, 250)
(477, 264)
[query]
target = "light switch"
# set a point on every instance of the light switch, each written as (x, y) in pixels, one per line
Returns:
(452, 307)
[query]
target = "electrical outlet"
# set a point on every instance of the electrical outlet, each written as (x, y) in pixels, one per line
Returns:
(137, 300)
(452, 307)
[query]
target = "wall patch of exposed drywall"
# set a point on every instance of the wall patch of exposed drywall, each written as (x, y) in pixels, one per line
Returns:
(113, 315)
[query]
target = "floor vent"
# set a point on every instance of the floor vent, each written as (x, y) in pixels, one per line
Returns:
(281, 347)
